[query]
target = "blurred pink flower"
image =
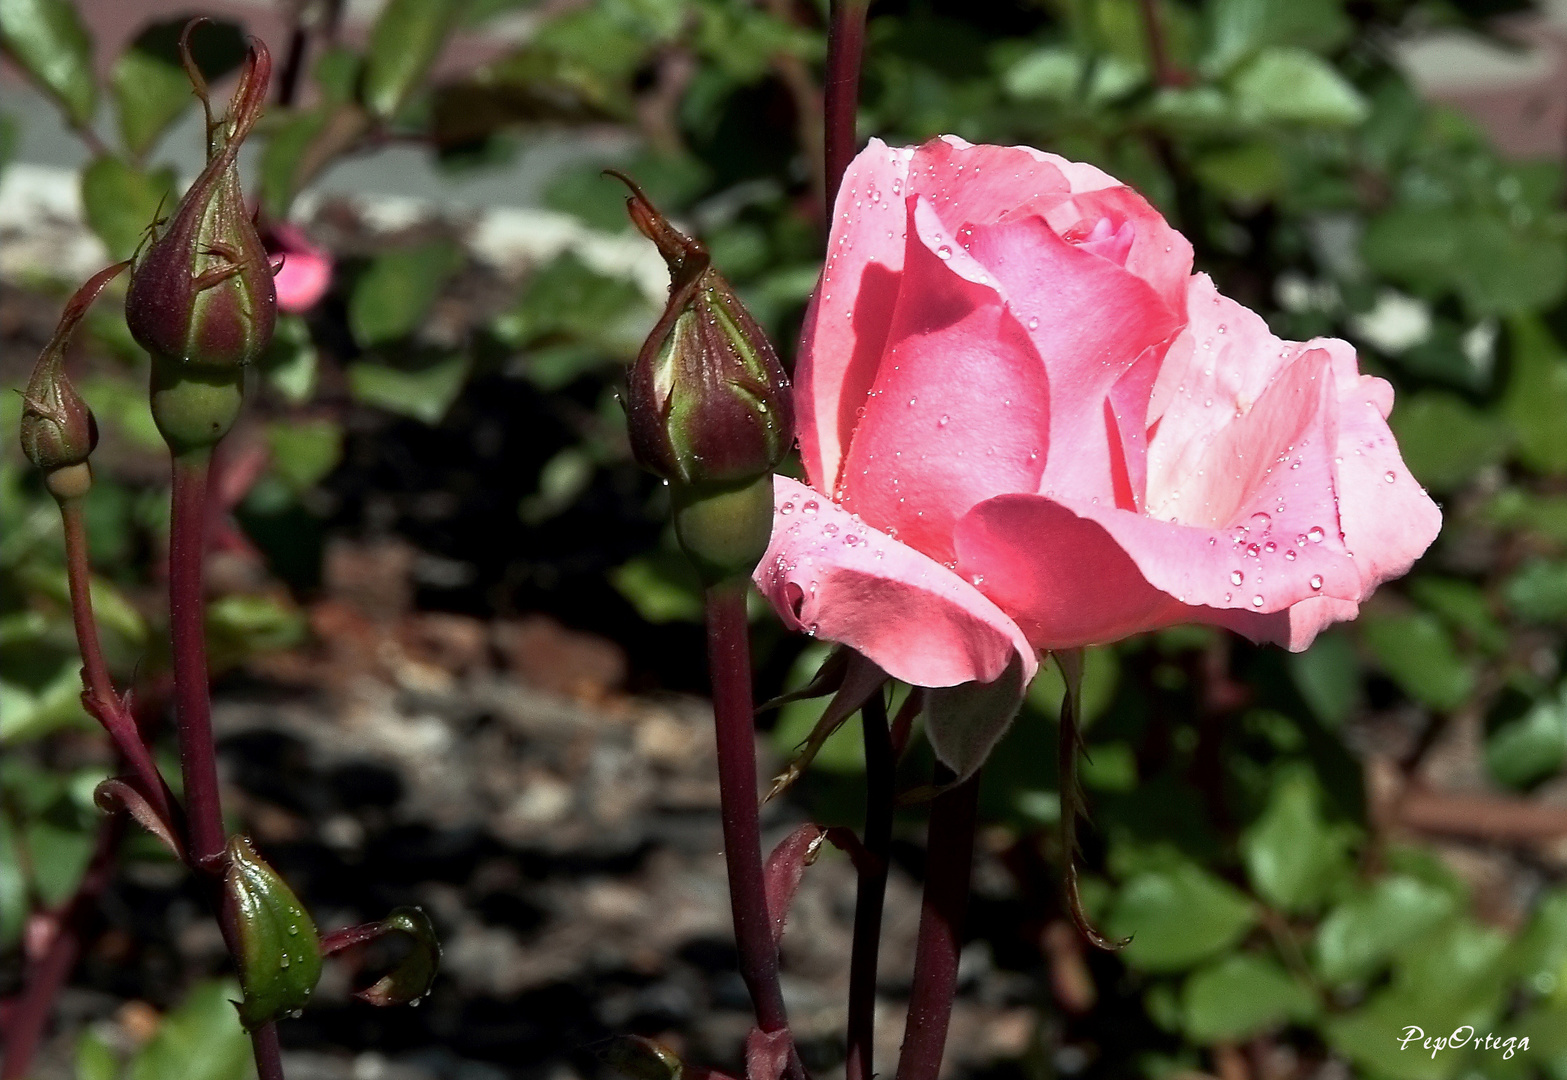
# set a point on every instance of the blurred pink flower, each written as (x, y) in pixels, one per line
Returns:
(1027, 425)
(307, 269)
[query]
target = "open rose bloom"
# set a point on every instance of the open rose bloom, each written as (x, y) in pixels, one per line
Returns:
(1027, 425)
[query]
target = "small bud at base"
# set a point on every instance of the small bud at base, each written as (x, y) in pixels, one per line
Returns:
(724, 530)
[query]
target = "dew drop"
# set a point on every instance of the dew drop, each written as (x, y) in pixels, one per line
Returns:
(944, 421)
(786, 509)
(1315, 534)
(1390, 476)
(852, 540)
(293, 930)
(810, 507)
(912, 400)
(1236, 577)
(829, 528)
(1253, 550)
(1270, 547)
(943, 252)
(1316, 581)
(1289, 555)
(1228, 597)
(284, 961)
(1260, 521)
(1256, 601)
(1033, 324)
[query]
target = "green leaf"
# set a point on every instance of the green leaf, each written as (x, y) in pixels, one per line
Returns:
(562, 481)
(48, 40)
(30, 713)
(1295, 859)
(1530, 748)
(13, 885)
(568, 299)
(121, 202)
(1328, 677)
(393, 296)
(424, 394)
(1062, 75)
(150, 94)
(662, 587)
(1367, 930)
(200, 1040)
(291, 361)
(305, 451)
(1293, 86)
(240, 625)
(1454, 978)
(404, 43)
(1238, 28)
(1178, 917)
(284, 157)
(1538, 955)
(409, 982)
(1241, 996)
(1536, 396)
(59, 847)
(279, 956)
(1537, 592)
(94, 1059)
(1250, 173)
(1417, 653)
(1445, 441)
(1463, 606)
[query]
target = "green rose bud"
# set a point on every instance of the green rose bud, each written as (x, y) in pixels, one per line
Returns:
(201, 298)
(279, 956)
(58, 429)
(707, 400)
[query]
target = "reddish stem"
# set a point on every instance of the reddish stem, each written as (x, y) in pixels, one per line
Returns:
(187, 630)
(106, 705)
(841, 92)
(46, 976)
(949, 858)
(206, 841)
(729, 660)
(869, 900)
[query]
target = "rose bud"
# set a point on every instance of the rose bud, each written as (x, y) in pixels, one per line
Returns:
(708, 405)
(58, 429)
(201, 298)
(279, 955)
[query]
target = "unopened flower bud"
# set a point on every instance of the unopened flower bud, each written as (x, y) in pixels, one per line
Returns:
(279, 955)
(201, 298)
(707, 400)
(58, 429)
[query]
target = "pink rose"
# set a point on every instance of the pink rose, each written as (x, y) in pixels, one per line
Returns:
(307, 269)
(1028, 426)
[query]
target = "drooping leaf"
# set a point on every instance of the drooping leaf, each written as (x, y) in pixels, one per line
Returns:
(121, 202)
(1536, 398)
(406, 40)
(393, 296)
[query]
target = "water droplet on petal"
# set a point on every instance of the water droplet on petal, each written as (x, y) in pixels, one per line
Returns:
(1316, 581)
(1236, 577)
(943, 252)
(1270, 547)
(1260, 521)
(1289, 555)
(1253, 550)
(1315, 534)
(1256, 601)
(1033, 324)
(1390, 476)
(944, 421)
(810, 507)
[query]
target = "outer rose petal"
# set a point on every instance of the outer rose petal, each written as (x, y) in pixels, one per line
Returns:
(830, 575)
(846, 325)
(1294, 628)
(960, 407)
(1083, 575)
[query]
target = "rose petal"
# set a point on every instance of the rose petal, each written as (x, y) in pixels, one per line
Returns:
(1387, 518)
(978, 185)
(1090, 320)
(1294, 628)
(846, 323)
(1159, 254)
(830, 575)
(959, 410)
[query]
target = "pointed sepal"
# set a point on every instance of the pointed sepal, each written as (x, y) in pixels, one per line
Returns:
(279, 956)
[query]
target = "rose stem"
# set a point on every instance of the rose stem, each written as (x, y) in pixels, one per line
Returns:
(206, 842)
(1067, 748)
(109, 709)
(872, 893)
(841, 94)
(45, 978)
(949, 857)
(729, 661)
